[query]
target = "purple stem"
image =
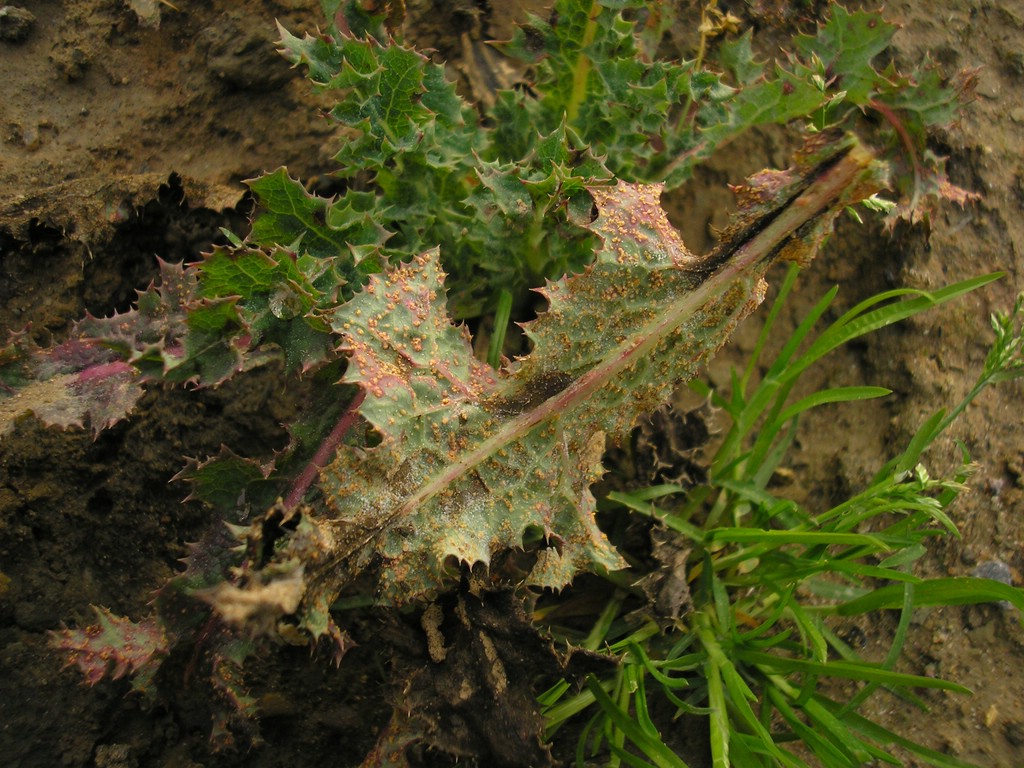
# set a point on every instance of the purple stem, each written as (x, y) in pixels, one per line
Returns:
(324, 452)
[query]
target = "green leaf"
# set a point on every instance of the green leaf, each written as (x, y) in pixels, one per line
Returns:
(740, 535)
(292, 218)
(652, 746)
(176, 335)
(846, 45)
(848, 670)
(884, 736)
(224, 480)
(277, 298)
(833, 395)
(957, 590)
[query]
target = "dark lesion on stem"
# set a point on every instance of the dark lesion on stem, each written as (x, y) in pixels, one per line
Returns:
(747, 228)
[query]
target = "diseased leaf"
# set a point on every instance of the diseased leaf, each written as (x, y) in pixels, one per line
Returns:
(173, 335)
(466, 463)
(66, 386)
(115, 647)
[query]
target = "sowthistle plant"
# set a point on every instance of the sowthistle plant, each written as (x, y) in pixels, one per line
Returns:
(417, 461)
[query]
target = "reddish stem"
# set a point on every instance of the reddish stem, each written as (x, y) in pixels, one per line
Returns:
(908, 144)
(324, 452)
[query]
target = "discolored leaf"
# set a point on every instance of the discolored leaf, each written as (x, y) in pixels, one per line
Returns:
(467, 463)
(115, 647)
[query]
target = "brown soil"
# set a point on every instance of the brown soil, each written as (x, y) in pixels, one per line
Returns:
(122, 142)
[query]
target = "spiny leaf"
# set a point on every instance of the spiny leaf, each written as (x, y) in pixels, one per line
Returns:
(465, 463)
(653, 120)
(115, 647)
(591, 69)
(66, 386)
(410, 136)
(276, 295)
(173, 334)
(342, 229)
(224, 479)
(846, 46)
(840, 58)
(318, 53)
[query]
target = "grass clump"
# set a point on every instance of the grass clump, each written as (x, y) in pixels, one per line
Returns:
(753, 649)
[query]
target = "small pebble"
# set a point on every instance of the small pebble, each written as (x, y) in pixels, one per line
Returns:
(996, 570)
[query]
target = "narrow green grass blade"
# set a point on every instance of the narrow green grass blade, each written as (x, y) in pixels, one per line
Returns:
(635, 680)
(895, 649)
(721, 674)
(825, 721)
(829, 753)
(956, 590)
(685, 707)
(918, 444)
(553, 694)
(906, 556)
(566, 710)
(749, 751)
(628, 758)
(581, 745)
(596, 637)
(688, 662)
(770, 449)
(502, 314)
(785, 597)
(718, 721)
(809, 631)
(741, 696)
(785, 357)
(859, 320)
(663, 679)
(652, 492)
(746, 413)
(792, 273)
(745, 535)
(861, 571)
(845, 669)
(881, 735)
(655, 749)
(748, 491)
(637, 503)
(720, 597)
(833, 395)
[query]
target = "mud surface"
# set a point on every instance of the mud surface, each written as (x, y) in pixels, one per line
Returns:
(122, 140)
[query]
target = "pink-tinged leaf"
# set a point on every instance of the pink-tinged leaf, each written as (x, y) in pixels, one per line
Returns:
(75, 383)
(923, 188)
(465, 464)
(115, 647)
(173, 334)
